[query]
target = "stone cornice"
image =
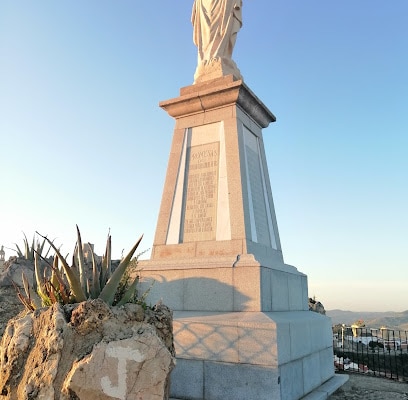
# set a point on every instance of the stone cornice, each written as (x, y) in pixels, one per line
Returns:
(218, 93)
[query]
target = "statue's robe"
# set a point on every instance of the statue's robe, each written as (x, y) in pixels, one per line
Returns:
(216, 24)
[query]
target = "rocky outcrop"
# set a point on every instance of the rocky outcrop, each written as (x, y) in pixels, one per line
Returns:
(88, 351)
(12, 271)
(10, 305)
(316, 306)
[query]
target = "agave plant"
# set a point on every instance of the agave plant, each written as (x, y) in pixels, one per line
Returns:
(29, 251)
(70, 284)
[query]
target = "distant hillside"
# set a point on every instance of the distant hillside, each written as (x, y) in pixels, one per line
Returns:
(390, 319)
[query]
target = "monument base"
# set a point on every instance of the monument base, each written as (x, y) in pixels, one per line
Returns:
(242, 326)
(253, 355)
(224, 284)
(322, 392)
(241, 330)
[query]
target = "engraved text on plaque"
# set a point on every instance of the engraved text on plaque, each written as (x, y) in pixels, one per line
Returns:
(200, 217)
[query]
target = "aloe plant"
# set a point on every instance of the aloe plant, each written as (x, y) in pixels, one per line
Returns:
(69, 284)
(108, 292)
(30, 249)
(30, 300)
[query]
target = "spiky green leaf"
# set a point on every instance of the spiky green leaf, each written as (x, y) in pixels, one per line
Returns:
(130, 293)
(81, 262)
(108, 292)
(96, 286)
(18, 250)
(39, 275)
(73, 278)
(106, 270)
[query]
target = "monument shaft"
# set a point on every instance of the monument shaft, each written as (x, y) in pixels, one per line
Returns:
(217, 198)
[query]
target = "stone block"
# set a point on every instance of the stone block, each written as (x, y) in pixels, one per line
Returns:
(326, 364)
(190, 121)
(257, 346)
(276, 341)
(220, 285)
(321, 332)
(295, 292)
(311, 372)
(305, 293)
(205, 340)
(219, 114)
(187, 380)
(167, 287)
(208, 289)
(266, 289)
(328, 388)
(300, 335)
(291, 375)
(247, 288)
(219, 248)
(284, 344)
(240, 381)
(250, 338)
(174, 251)
(279, 287)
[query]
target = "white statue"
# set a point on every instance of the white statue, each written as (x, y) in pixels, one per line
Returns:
(215, 25)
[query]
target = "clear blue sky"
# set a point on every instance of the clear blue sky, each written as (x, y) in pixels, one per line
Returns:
(83, 140)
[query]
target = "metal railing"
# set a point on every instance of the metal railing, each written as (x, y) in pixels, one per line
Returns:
(379, 352)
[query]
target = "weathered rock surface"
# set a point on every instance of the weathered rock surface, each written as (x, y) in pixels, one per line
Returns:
(88, 351)
(10, 306)
(12, 270)
(316, 306)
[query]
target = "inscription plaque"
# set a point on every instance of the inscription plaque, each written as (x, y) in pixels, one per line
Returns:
(258, 197)
(200, 213)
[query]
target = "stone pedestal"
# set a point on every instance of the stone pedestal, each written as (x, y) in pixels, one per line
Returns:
(242, 329)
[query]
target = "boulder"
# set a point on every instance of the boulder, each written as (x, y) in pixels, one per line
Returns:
(316, 306)
(10, 306)
(13, 269)
(88, 351)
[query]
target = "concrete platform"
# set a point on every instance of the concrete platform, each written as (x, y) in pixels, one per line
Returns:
(251, 355)
(324, 391)
(321, 393)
